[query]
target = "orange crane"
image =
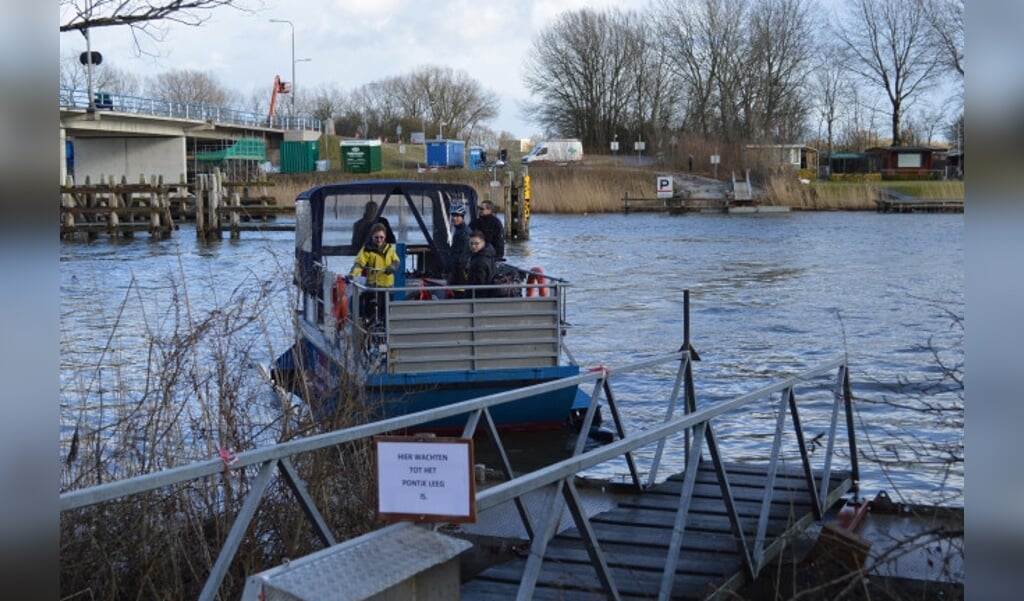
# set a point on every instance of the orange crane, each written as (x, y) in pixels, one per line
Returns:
(280, 87)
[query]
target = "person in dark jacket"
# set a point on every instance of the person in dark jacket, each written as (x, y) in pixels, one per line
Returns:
(494, 232)
(481, 262)
(361, 228)
(458, 254)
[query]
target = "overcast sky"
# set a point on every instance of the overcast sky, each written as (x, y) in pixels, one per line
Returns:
(352, 42)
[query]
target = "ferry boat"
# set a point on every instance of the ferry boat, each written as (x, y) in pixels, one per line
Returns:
(430, 344)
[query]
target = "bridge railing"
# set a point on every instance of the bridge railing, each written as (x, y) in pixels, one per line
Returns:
(123, 103)
(681, 417)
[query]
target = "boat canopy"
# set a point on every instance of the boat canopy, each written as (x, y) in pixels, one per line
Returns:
(417, 212)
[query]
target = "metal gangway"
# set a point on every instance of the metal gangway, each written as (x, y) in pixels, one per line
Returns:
(822, 391)
(156, 107)
(741, 189)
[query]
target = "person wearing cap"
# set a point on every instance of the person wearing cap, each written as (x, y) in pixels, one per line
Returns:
(458, 254)
(488, 223)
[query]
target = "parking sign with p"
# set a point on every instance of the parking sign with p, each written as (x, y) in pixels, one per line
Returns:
(664, 186)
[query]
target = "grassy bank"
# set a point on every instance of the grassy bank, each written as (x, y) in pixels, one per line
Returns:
(598, 185)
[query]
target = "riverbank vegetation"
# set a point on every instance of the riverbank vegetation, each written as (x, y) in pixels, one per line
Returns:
(599, 184)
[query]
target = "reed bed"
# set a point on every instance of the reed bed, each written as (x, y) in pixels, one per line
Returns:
(599, 187)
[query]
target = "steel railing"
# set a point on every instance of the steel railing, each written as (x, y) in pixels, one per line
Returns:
(695, 424)
(123, 103)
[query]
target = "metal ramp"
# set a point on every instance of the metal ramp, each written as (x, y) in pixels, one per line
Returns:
(636, 536)
(742, 190)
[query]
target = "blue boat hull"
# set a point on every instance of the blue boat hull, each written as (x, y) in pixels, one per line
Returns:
(389, 395)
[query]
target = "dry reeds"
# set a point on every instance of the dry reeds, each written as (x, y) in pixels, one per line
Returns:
(598, 186)
(197, 393)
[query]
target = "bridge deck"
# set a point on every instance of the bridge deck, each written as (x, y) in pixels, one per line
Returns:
(635, 537)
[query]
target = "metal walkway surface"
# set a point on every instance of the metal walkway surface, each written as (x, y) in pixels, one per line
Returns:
(635, 537)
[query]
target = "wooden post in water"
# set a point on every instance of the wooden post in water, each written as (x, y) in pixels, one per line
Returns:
(68, 201)
(154, 209)
(113, 221)
(216, 190)
(236, 203)
(200, 206)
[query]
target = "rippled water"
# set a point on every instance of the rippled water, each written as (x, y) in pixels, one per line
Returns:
(770, 295)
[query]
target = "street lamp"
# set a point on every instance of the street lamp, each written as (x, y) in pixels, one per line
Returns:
(292, 26)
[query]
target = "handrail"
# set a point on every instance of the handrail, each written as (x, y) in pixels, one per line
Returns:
(697, 424)
(124, 103)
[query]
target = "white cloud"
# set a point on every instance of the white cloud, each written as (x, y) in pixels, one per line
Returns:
(351, 43)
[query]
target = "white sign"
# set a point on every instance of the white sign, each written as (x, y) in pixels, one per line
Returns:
(715, 159)
(664, 186)
(639, 145)
(417, 137)
(615, 146)
(425, 479)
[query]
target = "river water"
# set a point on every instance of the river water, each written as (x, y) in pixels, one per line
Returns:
(770, 295)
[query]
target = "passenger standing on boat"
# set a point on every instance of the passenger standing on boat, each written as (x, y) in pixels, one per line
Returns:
(494, 232)
(481, 263)
(361, 228)
(380, 262)
(458, 254)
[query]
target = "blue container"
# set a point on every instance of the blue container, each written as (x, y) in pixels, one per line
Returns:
(446, 153)
(476, 158)
(69, 157)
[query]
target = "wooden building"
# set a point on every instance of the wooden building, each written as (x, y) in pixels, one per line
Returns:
(910, 162)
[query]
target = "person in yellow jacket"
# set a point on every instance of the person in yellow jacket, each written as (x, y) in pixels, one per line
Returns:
(379, 261)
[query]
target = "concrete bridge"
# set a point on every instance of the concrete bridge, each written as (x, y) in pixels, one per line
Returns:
(129, 135)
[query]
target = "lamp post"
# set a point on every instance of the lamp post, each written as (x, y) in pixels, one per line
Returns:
(292, 26)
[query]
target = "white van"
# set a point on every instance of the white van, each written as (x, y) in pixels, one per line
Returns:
(556, 151)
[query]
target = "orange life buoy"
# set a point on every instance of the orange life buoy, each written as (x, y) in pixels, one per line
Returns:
(536, 277)
(339, 300)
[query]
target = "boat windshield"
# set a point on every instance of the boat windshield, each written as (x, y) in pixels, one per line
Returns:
(343, 211)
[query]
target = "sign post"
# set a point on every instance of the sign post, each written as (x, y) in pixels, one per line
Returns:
(664, 186)
(425, 479)
(639, 146)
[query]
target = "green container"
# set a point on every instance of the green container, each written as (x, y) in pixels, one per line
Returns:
(299, 157)
(361, 156)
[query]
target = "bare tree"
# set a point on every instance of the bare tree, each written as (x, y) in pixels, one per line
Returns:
(380, 107)
(325, 102)
(946, 19)
(588, 73)
(106, 77)
(830, 87)
(187, 85)
(778, 55)
(704, 40)
(143, 16)
(955, 131)
(890, 46)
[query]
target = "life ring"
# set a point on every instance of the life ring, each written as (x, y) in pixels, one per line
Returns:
(339, 300)
(536, 277)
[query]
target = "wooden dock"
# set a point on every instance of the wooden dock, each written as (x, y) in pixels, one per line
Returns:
(676, 205)
(635, 538)
(891, 201)
(116, 209)
(225, 206)
(121, 210)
